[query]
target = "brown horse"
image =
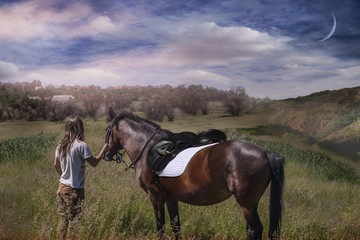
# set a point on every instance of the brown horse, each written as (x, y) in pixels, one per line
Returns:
(229, 168)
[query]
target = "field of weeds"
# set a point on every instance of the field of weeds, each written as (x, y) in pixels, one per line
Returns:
(321, 195)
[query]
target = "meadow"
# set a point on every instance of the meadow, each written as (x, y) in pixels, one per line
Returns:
(321, 198)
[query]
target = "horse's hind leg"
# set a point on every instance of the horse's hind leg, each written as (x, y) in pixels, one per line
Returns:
(173, 209)
(254, 227)
(248, 199)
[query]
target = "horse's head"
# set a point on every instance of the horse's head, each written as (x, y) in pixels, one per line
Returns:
(126, 130)
(112, 139)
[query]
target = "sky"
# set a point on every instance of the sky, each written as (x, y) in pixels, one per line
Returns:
(271, 48)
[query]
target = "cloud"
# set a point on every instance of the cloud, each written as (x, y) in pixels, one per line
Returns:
(299, 74)
(79, 76)
(102, 23)
(29, 20)
(206, 78)
(211, 44)
(8, 70)
(349, 72)
(199, 46)
(211, 55)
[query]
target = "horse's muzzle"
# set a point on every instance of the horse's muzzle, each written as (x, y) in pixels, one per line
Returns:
(109, 156)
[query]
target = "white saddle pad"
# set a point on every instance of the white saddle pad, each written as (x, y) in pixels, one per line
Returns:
(177, 166)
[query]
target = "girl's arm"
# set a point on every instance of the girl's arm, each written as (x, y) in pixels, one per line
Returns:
(94, 161)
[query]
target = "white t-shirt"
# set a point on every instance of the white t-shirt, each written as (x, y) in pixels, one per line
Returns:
(73, 166)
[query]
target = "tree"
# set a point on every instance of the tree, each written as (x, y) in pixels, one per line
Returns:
(92, 100)
(58, 111)
(118, 100)
(153, 108)
(236, 101)
(188, 99)
(28, 108)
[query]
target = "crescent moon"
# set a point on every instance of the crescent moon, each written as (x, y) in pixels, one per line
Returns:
(331, 31)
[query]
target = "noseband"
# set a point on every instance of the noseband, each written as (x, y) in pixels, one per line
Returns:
(119, 156)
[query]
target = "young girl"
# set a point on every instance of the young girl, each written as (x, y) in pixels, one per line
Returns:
(70, 156)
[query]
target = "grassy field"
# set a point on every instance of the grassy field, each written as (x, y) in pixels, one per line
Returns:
(321, 198)
(14, 129)
(331, 118)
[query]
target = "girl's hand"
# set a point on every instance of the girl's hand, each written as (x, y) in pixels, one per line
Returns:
(105, 148)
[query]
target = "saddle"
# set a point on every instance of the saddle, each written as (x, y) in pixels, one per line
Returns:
(162, 152)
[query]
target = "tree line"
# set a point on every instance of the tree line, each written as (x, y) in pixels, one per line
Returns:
(30, 101)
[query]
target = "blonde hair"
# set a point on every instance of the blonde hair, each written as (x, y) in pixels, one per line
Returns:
(74, 130)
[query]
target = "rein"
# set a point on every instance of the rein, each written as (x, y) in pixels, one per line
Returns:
(132, 164)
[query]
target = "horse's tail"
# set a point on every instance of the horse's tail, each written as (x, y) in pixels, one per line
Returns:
(276, 162)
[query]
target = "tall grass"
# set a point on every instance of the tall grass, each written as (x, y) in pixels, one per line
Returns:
(26, 148)
(22, 162)
(321, 201)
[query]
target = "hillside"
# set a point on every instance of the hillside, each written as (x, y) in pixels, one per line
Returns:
(331, 118)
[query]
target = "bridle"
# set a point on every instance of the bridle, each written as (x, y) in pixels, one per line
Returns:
(119, 156)
(109, 155)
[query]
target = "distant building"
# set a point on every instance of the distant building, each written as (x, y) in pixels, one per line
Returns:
(62, 98)
(37, 98)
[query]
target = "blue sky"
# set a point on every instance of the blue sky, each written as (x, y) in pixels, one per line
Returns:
(271, 48)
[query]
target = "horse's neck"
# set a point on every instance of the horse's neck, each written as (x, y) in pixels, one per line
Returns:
(136, 142)
(134, 145)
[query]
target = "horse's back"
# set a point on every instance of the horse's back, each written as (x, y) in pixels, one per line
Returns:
(219, 171)
(237, 154)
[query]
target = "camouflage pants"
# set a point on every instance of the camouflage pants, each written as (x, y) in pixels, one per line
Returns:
(70, 203)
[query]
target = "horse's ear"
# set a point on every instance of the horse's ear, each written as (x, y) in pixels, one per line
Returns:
(111, 113)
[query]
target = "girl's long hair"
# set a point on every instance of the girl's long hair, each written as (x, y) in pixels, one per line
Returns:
(74, 129)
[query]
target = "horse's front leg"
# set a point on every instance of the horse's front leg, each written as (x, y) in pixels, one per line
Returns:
(173, 209)
(159, 209)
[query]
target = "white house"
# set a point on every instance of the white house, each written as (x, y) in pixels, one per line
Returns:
(62, 98)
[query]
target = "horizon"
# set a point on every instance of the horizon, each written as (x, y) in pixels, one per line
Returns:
(277, 50)
(84, 87)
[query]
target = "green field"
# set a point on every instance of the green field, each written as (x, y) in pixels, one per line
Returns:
(322, 191)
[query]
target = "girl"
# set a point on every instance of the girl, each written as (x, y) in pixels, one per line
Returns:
(70, 156)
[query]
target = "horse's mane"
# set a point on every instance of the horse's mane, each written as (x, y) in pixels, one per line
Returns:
(127, 114)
